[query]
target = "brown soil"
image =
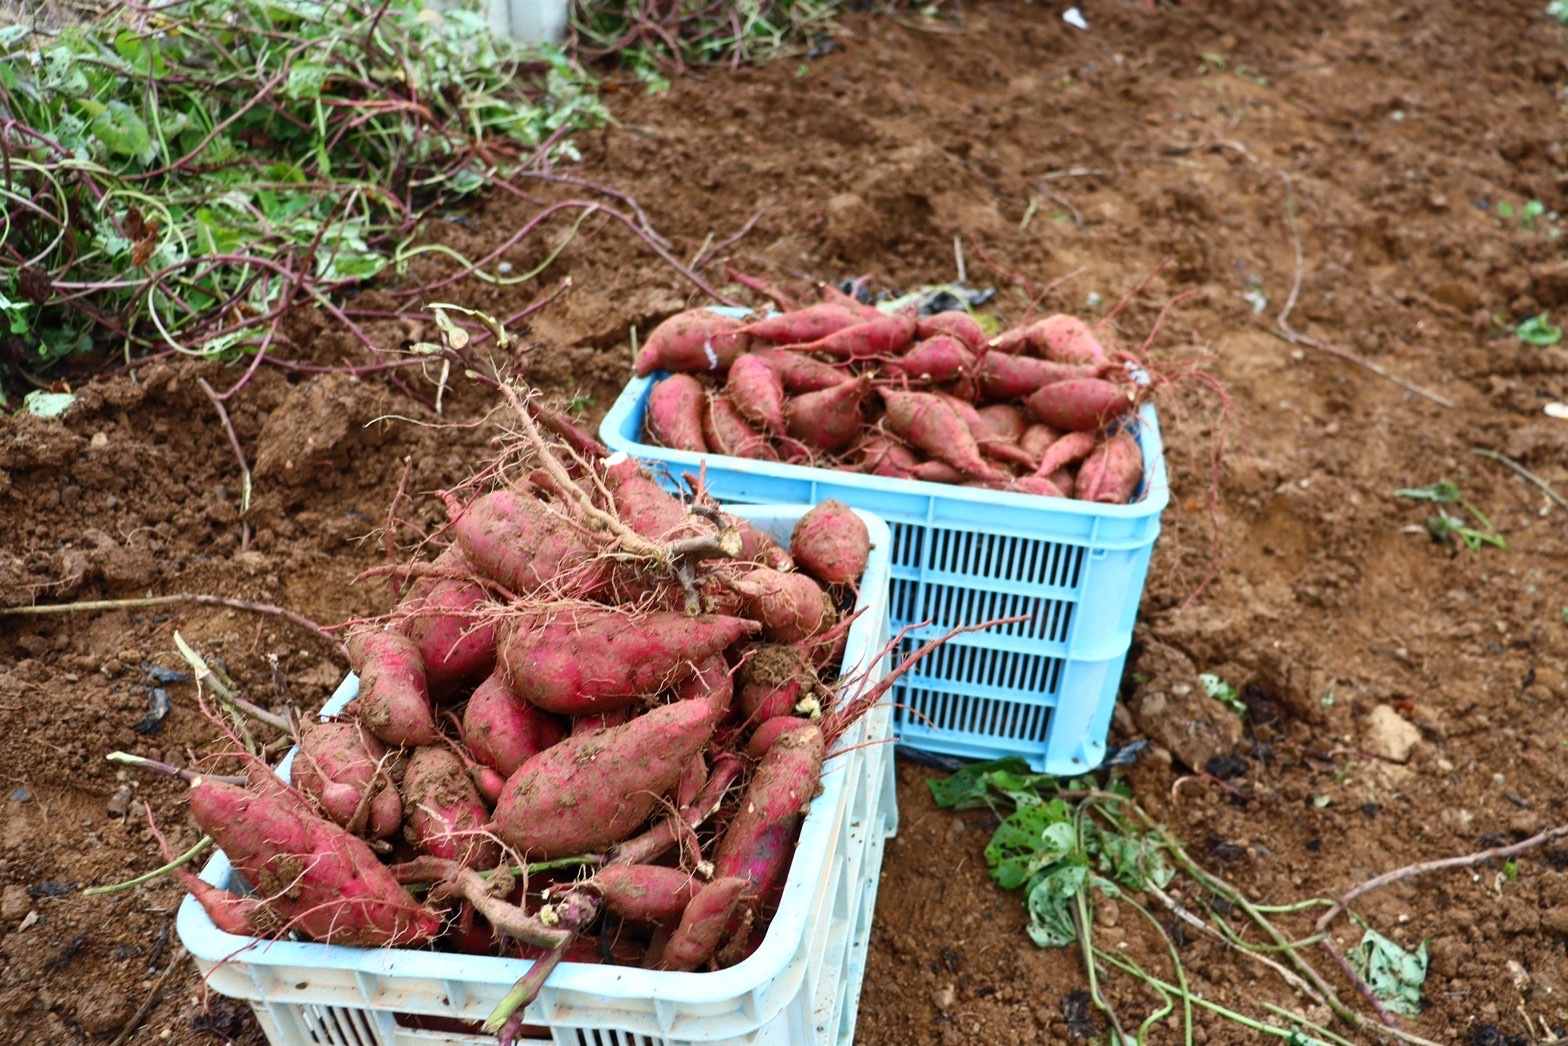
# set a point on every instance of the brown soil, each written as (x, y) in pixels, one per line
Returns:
(1155, 134)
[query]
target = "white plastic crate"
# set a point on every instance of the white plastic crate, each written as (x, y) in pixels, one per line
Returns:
(802, 984)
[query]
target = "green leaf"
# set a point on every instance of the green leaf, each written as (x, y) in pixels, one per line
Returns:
(1031, 839)
(969, 785)
(1444, 491)
(1136, 863)
(1050, 905)
(124, 133)
(47, 404)
(1394, 975)
(305, 81)
(1538, 330)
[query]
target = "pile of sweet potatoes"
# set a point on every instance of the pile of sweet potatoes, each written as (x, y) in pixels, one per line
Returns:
(590, 673)
(1039, 409)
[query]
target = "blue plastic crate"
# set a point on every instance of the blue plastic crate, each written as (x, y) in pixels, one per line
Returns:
(1043, 689)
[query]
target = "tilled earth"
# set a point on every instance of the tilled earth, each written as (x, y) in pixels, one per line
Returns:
(1406, 699)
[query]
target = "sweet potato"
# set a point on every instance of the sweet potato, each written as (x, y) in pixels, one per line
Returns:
(1066, 339)
(835, 296)
(393, 702)
(828, 420)
(645, 892)
(883, 336)
(1003, 377)
(758, 843)
(774, 678)
(1039, 485)
(757, 392)
(702, 925)
(802, 325)
(728, 432)
(445, 813)
(1111, 474)
(831, 543)
(758, 546)
(519, 541)
(587, 724)
(885, 456)
(1071, 448)
(712, 683)
(447, 618)
(1004, 421)
(697, 340)
(578, 659)
(933, 425)
(791, 607)
(1037, 438)
(674, 413)
(590, 791)
(941, 358)
(764, 737)
(343, 770)
(642, 504)
(309, 874)
(798, 372)
(955, 324)
(940, 472)
(503, 730)
(1081, 404)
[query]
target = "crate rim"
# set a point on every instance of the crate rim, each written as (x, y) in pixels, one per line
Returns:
(755, 974)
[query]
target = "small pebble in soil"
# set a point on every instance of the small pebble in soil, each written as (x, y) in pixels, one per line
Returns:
(21, 794)
(14, 904)
(120, 801)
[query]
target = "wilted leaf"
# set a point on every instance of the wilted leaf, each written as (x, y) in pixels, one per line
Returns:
(1394, 975)
(47, 404)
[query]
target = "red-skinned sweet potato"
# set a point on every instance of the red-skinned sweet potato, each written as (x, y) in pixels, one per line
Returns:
(642, 504)
(932, 424)
(393, 702)
(1003, 377)
(774, 678)
(702, 926)
(503, 730)
(1070, 449)
(645, 892)
(728, 432)
(444, 811)
(803, 325)
(590, 791)
(791, 607)
(344, 771)
(798, 372)
(831, 543)
(938, 359)
(883, 336)
(764, 737)
(521, 542)
(757, 392)
(837, 297)
(1039, 485)
(449, 621)
(577, 659)
(828, 420)
(1111, 474)
(1082, 404)
(1004, 421)
(1037, 438)
(309, 874)
(696, 341)
(884, 456)
(1066, 339)
(955, 324)
(760, 839)
(674, 413)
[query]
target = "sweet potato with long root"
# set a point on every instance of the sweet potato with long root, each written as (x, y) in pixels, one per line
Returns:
(344, 771)
(593, 790)
(933, 425)
(393, 701)
(309, 874)
(1003, 377)
(695, 341)
(828, 420)
(503, 730)
(444, 810)
(1083, 404)
(580, 659)
(1111, 473)
(448, 619)
(831, 543)
(703, 925)
(1061, 338)
(675, 407)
